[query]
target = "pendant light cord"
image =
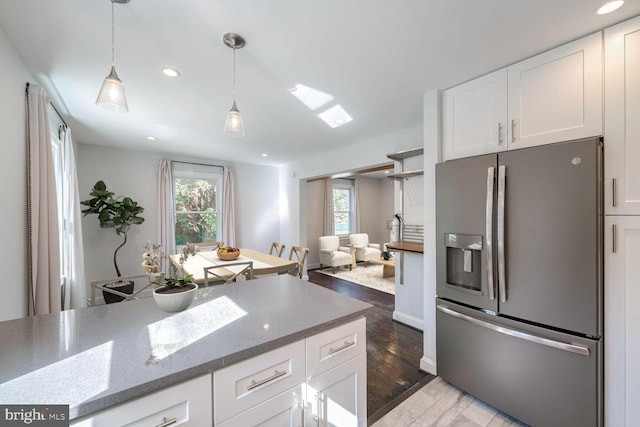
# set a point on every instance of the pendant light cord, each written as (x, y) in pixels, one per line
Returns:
(113, 38)
(234, 73)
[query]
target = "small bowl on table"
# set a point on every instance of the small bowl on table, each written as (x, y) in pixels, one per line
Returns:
(228, 256)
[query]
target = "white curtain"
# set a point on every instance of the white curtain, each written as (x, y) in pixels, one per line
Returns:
(42, 210)
(356, 196)
(75, 288)
(228, 209)
(166, 220)
(327, 209)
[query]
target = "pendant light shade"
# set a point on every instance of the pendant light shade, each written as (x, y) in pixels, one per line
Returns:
(233, 126)
(112, 96)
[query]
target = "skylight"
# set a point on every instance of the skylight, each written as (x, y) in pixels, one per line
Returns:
(312, 98)
(335, 116)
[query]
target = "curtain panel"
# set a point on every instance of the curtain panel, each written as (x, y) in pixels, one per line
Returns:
(166, 217)
(75, 288)
(228, 209)
(327, 209)
(43, 242)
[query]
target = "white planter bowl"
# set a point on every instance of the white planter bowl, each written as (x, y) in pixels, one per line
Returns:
(174, 302)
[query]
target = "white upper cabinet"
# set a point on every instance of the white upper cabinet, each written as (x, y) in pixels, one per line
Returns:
(557, 96)
(475, 117)
(552, 97)
(622, 118)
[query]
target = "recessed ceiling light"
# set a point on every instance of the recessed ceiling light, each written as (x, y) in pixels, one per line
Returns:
(151, 138)
(170, 72)
(265, 155)
(610, 7)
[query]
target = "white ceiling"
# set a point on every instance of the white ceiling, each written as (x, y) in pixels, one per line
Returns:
(375, 57)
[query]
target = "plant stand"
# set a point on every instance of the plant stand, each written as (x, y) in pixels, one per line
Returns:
(154, 279)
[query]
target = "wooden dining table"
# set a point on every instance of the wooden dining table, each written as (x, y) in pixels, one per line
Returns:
(263, 263)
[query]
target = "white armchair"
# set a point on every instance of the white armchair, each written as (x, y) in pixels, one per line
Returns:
(365, 251)
(332, 254)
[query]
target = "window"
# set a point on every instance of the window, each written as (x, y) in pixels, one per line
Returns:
(343, 207)
(197, 191)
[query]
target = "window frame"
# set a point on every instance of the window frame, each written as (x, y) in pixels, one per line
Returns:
(215, 174)
(350, 187)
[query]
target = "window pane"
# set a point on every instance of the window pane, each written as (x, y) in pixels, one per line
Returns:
(195, 227)
(195, 195)
(341, 210)
(341, 200)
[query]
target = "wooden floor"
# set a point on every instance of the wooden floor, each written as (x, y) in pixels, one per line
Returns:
(393, 349)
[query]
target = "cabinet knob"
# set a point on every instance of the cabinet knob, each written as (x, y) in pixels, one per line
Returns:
(513, 130)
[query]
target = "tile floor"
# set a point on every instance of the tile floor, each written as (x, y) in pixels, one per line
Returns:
(439, 403)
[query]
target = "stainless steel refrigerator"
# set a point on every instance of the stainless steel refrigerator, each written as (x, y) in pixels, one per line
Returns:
(520, 281)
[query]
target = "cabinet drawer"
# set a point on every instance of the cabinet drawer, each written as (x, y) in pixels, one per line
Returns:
(247, 383)
(188, 403)
(335, 346)
(283, 410)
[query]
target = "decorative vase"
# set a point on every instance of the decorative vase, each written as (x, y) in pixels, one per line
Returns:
(175, 299)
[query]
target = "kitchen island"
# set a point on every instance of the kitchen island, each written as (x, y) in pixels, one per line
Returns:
(96, 357)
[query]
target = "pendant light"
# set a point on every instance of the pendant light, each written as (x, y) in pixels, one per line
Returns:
(233, 125)
(111, 94)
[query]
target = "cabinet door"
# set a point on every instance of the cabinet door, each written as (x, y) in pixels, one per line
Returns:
(622, 113)
(338, 397)
(556, 96)
(622, 321)
(475, 117)
(284, 410)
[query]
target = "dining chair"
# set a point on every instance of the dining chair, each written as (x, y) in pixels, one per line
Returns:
(241, 270)
(116, 295)
(277, 249)
(300, 256)
(203, 246)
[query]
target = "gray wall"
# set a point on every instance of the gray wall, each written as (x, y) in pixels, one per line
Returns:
(133, 173)
(13, 228)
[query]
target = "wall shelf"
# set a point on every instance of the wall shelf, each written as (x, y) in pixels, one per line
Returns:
(401, 155)
(404, 175)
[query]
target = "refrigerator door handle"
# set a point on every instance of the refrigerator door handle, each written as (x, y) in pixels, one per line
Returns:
(573, 348)
(489, 232)
(502, 278)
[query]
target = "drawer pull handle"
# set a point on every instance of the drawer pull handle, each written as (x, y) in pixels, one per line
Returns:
(342, 347)
(275, 375)
(166, 422)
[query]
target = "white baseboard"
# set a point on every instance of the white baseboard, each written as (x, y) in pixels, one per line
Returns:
(428, 365)
(412, 321)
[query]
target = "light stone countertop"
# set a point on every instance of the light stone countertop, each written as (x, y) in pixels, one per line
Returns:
(95, 357)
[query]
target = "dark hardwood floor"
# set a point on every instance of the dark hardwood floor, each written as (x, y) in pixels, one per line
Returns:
(393, 349)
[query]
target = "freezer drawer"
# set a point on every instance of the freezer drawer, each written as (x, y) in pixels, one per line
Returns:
(541, 377)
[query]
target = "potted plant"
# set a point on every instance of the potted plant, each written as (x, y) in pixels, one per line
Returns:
(177, 294)
(118, 213)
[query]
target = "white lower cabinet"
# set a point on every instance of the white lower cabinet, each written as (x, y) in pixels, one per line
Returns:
(318, 381)
(186, 404)
(622, 321)
(338, 397)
